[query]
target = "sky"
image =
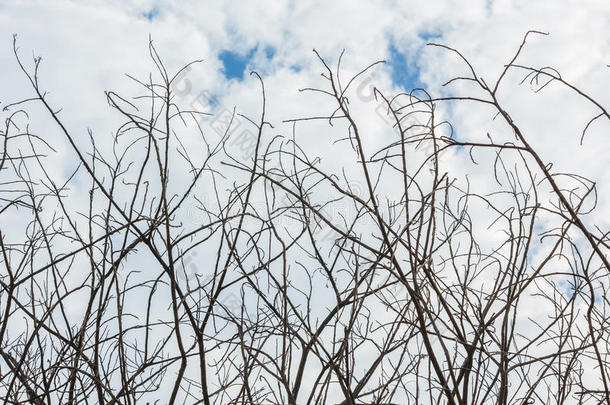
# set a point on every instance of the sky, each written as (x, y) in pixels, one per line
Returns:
(88, 47)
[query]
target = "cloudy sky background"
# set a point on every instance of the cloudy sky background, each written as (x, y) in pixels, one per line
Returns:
(88, 46)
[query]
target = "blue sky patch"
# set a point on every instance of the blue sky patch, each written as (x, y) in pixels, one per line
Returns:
(405, 73)
(151, 14)
(430, 35)
(269, 52)
(234, 63)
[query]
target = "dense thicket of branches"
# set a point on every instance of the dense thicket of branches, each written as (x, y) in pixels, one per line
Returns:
(165, 269)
